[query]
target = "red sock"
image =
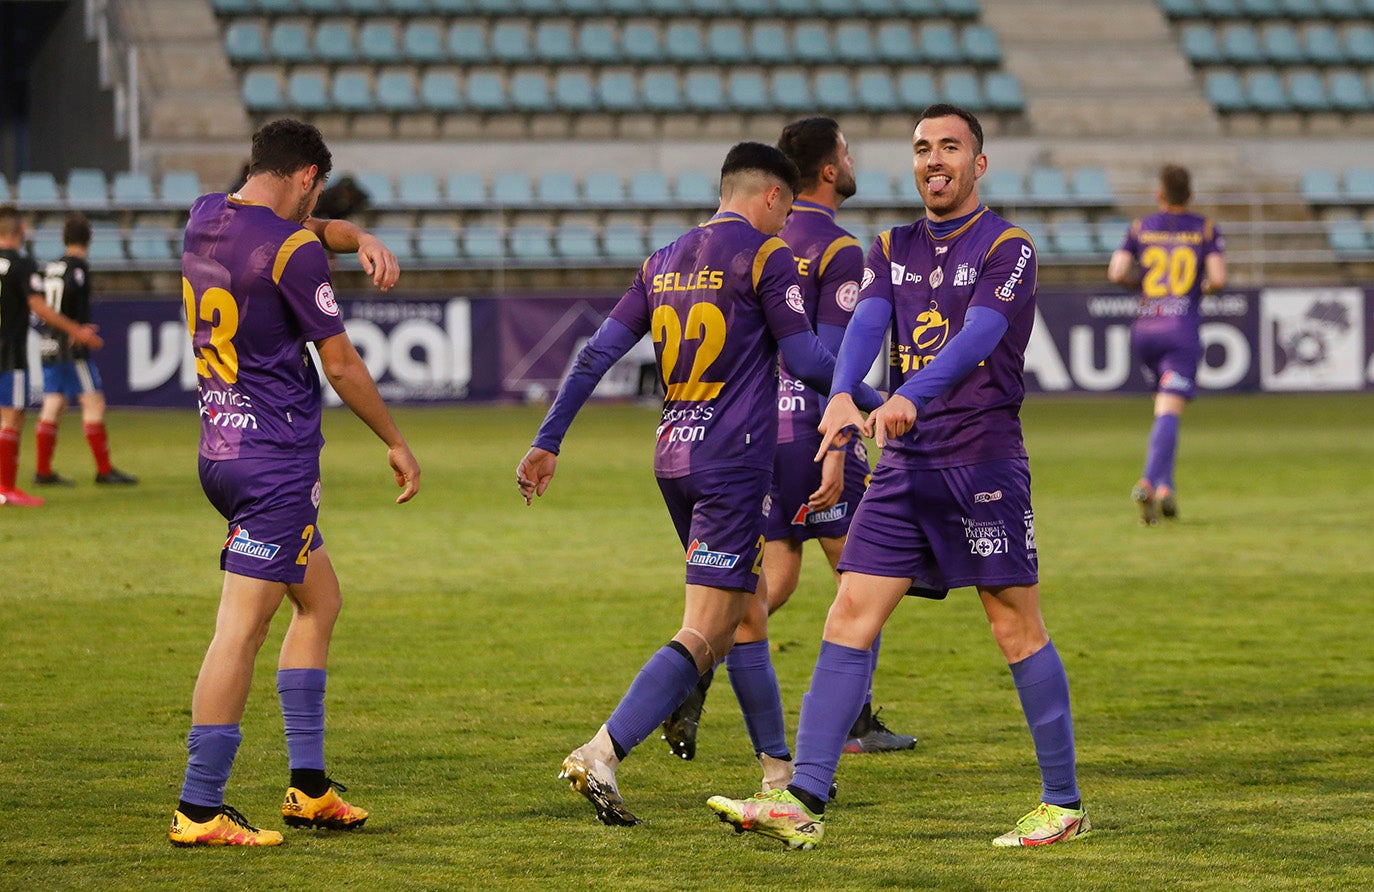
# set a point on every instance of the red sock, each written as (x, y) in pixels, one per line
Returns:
(46, 438)
(9, 459)
(100, 446)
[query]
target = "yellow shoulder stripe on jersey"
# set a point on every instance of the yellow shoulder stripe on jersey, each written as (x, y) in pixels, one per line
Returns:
(886, 238)
(766, 250)
(1013, 232)
(843, 241)
(288, 247)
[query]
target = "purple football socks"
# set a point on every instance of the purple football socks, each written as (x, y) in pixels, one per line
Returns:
(756, 688)
(659, 688)
(302, 707)
(1043, 687)
(1159, 455)
(828, 711)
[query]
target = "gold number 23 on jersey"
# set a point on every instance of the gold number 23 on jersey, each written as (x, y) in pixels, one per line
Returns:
(705, 323)
(218, 310)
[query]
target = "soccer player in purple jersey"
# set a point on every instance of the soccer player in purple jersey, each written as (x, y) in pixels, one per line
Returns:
(21, 293)
(810, 500)
(720, 302)
(68, 371)
(256, 285)
(949, 503)
(1174, 257)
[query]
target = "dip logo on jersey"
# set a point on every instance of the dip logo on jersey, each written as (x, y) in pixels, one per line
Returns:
(794, 299)
(699, 554)
(324, 299)
(1312, 339)
(1008, 289)
(965, 275)
(900, 275)
(240, 542)
(806, 517)
(869, 276)
(847, 295)
(985, 538)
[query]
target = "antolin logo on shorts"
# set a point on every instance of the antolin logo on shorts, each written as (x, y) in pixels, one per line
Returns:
(805, 515)
(242, 543)
(699, 554)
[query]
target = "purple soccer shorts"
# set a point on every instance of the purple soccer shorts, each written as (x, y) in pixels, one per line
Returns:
(719, 516)
(273, 509)
(796, 476)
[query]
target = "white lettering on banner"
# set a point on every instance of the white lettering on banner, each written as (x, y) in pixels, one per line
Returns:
(153, 365)
(421, 357)
(1117, 365)
(1043, 360)
(1235, 356)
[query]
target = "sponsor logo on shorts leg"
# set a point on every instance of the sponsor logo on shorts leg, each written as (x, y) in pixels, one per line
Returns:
(240, 542)
(1029, 519)
(985, 538)
(806, 517)
(994, 496)
(699, 554)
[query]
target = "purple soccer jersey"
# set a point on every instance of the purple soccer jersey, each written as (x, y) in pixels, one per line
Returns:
(931, 282)
(256, 289)
(716, 301)
(1172, 250)
(830, 263)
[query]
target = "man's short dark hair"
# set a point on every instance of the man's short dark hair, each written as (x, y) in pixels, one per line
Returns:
(1176, 184)
(76, 230)
(285, 146)
(811, 144)
(945, 110)
(764, 159)
(9, 219)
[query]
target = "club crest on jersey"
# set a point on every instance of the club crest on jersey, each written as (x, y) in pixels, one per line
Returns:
(806, 516)
(324, 299)
(965, 275)
(937, 277)
(869, 276)
(699, 554)
(794, 299)
(240, 542)
(847, 295)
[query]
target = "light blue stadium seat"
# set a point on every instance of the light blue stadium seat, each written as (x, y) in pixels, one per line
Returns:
(436, 243)
(47, 244)
(179, 188)
(895, 43)
(919, 9)
(556, 188)
(597, 42)
(1359, 185)
(395, 89)
(1199, 43)
(381, 192)
(363, 7)
(5, 194)
(231, 7)
(684, 42)
(379, 42)
(151, 244)
(581, 7)
(261, 90)
(854, 43)
(351, 91)
(290, 42)
(1346, 9)
(617, 91)
(132, 190)
(574, 90)
(836, 9)
(511, 42)
(963, 89)
(418, 189)
(753, 9)
(960, 9)
(639, 42)
(833, 91)
(1319, 185)
(1074, 239)
(746, 90)
(485, 91)
(940, 44)
(1347, 92)
(491, 7)
(790, 90)
(623, 242)
(529, 91)
(483, 242)
(663, 233)
(423, 42)
(1003, 92)
(979, 45)
(916, 88)
(1264, 89)
(1301, 9)
(1039, 234)
(1091, 186)
(467, 42)
(276, 7)
(400, 239)
(1347, 235)
(1224, 90)
(1279, 44)
(1110, 232)
(465, 189)
(874, 91)
(553, 42)
(407, 7)
(576, 241)
(453, 7)
(307, 91)
(334, 42)
(697, 188)
(1358, 44)
(649, 188)
(795, 9)
(87, 189)
(659, 90)
(1002, 186)
(107, 244)
(811, 43)
(1219, 9)
(704, 90)
(706, 9)
(1240, 45)
(244, 42)
(439, 91)
(603, 188)
(1307, 92)
(872, 187)
(769, 44)
(1261, 9)
(875, 9)
(512, 188)
(726, 42)
(536, 9)
(531, 244)
(1047, 185)
(319, 7)
(1321, 45)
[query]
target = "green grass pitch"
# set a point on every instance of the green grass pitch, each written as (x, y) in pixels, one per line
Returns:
(1221, 670)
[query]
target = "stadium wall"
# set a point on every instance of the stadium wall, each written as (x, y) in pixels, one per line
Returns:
(427, 349)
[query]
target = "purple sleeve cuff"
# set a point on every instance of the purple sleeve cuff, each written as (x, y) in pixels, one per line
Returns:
(611, 341)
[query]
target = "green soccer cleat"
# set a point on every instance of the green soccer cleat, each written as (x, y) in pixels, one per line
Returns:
(595, 779)
(773, 813)
(1045, 825)
(1144, 497)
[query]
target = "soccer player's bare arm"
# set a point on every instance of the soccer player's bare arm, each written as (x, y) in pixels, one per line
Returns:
(535, 472)
(1121, 270)
(85, 335)
(343, 237)
(348, 375)
(1215, 266)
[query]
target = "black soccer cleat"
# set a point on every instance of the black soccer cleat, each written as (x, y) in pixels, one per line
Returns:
(680, 728)
(53, 479)
(116, 476)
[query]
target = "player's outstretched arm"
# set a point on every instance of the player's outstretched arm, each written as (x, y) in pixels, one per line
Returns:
(85, 335)
(841, 419)
(343, 237)
(535, 472)
(348, 375)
